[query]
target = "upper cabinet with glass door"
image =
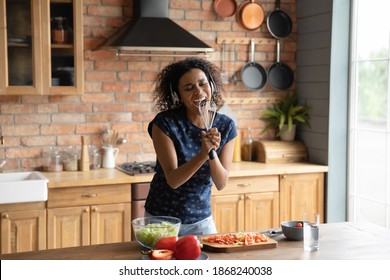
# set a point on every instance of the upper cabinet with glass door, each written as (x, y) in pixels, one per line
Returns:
(20, 47)
(41, 47)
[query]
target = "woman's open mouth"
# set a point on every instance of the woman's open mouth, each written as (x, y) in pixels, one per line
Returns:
(198, 102)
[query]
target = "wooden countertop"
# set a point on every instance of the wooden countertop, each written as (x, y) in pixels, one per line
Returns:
(101, 176)
(248, 168)
(338, 241)
(113, 176)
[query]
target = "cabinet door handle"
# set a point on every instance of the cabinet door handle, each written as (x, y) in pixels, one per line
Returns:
(94, 209)
(5, 216)
(248, 196)
(243, 185)
(88, 195)
(85, 210)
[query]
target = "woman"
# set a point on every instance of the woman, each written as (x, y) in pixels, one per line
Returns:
(185, 172)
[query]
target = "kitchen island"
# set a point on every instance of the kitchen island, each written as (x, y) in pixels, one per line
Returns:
(338, 241)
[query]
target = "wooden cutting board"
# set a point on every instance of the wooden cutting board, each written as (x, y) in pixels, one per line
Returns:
(234, 248)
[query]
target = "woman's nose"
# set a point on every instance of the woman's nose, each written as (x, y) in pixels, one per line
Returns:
(200, 92)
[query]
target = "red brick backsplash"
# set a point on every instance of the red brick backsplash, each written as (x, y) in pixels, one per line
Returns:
(118, 89)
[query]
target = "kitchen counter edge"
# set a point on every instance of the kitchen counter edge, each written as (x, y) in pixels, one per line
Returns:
(114, 176)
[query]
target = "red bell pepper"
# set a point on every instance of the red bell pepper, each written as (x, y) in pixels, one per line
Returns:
(166, 243)
(187, 248)
(162, 254)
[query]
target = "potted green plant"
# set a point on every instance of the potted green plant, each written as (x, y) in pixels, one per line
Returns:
(284, 116)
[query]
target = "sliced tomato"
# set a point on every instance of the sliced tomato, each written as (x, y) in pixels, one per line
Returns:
(163, 254)
(166, 243)
(245, 239)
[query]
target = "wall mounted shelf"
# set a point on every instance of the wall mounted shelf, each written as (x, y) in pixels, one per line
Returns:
(251, 100)
(246, 41)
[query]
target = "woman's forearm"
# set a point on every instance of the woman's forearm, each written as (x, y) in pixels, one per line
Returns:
(178, 176)
(219, 174)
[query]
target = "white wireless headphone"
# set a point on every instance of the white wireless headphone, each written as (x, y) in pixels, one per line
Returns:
(212, 84)
(174, 96)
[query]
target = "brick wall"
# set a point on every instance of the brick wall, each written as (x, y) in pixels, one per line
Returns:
(117, 89)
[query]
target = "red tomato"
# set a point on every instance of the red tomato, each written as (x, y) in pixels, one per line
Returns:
(187, 248)
(299, 225)
(162, 254)
(166, 243)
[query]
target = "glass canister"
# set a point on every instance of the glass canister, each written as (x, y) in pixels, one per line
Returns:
(95, 158)
(53, 160)
(70, 161)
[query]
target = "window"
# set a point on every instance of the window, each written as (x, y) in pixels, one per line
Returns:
(369, 120)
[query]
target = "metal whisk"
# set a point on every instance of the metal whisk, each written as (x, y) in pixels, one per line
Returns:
(207, 110)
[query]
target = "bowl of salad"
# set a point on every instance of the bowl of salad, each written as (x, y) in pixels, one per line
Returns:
(148, 230)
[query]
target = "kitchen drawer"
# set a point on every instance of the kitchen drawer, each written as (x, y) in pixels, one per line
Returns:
(239, 185)
(88, 195)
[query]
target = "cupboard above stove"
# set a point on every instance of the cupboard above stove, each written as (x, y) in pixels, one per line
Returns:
(42, 43)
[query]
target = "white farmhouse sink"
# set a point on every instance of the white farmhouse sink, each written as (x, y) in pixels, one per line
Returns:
(23, 187)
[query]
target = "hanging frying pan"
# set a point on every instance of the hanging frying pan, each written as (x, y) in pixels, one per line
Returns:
(253, 75)
(280, 75)
(279, 23)
(225, 8)
(250, 15)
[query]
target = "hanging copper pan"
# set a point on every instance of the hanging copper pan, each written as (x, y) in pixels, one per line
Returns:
(225, 8)
(250, 15)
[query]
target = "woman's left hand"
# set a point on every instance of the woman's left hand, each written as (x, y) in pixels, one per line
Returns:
(211, 139)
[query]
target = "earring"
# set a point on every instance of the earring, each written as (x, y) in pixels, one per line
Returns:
(175, 98)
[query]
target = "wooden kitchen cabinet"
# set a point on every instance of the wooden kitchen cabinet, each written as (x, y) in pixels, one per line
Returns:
(88, 215)
(263, 209)
(228, 212)
(32, 61)
(301, 193)
(68, 227)
(88, 225)
(247, 203)
(23, 230)
(243, 212)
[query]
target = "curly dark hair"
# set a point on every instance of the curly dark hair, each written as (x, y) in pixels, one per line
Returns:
(167, 81)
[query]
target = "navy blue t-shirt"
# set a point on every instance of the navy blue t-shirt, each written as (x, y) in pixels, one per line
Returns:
(191, 201)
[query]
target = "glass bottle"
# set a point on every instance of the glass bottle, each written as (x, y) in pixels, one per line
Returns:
(59, 34)
(247, 146)
(94, 157)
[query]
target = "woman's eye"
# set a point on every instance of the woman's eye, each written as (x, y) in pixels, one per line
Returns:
(191, 87)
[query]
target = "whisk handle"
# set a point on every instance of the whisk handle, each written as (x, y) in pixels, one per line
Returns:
(212, 154)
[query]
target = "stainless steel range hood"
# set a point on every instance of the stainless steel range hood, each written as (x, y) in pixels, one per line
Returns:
(151, 30)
